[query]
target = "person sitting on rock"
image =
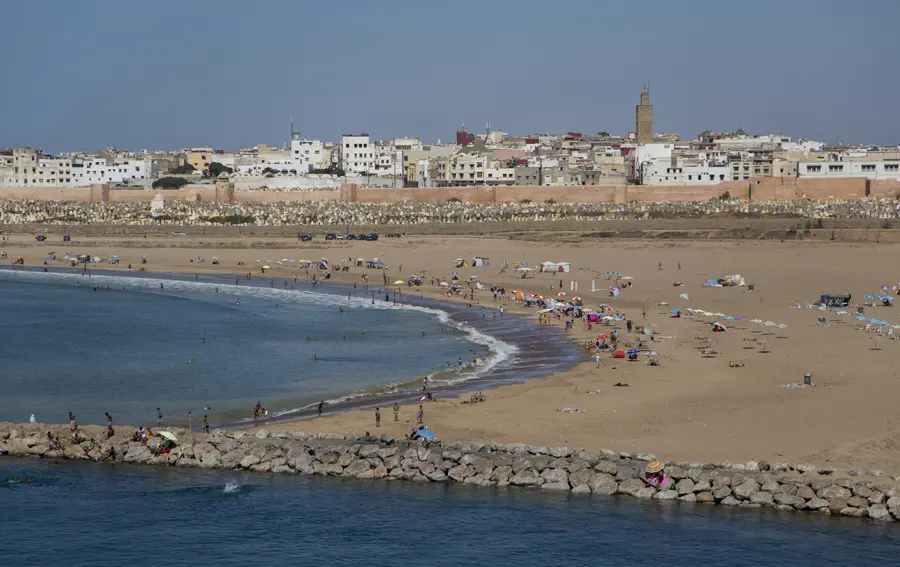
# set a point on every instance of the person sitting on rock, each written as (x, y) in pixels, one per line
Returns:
(654, 475)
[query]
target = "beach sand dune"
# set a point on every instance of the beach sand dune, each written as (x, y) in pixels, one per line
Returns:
(693, 406)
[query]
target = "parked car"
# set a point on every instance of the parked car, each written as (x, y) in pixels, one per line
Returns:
(305, 237)
(331, 236)
(67, 238)
(178, 233)
(40, 238)
(341, 237)
(371, 236)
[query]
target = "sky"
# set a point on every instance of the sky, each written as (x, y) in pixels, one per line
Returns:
(226, 74)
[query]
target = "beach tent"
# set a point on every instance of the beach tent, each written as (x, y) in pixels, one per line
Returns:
(733, 280)
(519, 295)
(563, 267)
(481, 262)
(619, 354)
(577, 301)
(593, 317)
(548, 267)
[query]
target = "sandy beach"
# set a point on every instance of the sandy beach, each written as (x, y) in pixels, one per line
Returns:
(692, 406)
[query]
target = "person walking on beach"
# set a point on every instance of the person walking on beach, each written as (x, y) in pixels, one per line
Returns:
(420, 416)
(320, 408)
(158, 417)
(424, 383)
(377, 417)
(396, 411)
(501, 311)
(205, 424)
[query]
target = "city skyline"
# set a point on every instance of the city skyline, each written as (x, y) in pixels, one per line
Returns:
(217, 74)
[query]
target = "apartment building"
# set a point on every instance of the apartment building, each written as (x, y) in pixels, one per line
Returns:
(308, 155)
(460, 170)
(199, 158)
(870, 170)
(357, 154)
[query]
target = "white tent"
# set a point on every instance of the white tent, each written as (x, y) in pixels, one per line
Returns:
(735, 280)
(563, 267)
(548, 267)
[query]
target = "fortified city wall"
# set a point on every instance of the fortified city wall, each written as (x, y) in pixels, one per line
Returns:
(605, 473)
(757, 189)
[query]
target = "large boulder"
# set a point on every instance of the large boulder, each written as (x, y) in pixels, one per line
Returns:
(789, 500)
(557, 476)
(879, 512)
(602, 483)
(745, 489)
(666, 495)
(525, 478)
(833, 492)
(684, 486)
(630, 486)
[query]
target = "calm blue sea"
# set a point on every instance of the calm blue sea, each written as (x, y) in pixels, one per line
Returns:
(127, 345)
(86, 514)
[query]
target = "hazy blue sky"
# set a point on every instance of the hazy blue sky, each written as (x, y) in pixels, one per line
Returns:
(167, 74)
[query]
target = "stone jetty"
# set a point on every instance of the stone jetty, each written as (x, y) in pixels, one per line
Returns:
(747, 485)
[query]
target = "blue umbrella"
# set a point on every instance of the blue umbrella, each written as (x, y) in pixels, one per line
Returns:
(729, 318)
(425, 434)
(861, 318)
(871, 296)
(633, 351)
(676, 310)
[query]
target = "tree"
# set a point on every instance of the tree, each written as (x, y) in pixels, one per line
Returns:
(705, 133)
(170, 183)
(184, 169)
(216, 169)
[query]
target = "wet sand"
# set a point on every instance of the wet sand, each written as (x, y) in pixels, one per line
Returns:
(691, 407)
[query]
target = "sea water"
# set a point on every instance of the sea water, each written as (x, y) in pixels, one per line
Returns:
(127, 345)
(85, 514)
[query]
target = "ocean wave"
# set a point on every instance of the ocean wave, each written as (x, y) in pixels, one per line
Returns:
(500, 351)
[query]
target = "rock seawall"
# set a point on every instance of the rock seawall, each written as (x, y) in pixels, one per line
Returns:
(748, 485)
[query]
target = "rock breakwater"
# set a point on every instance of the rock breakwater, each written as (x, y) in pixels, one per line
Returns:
(747, 485)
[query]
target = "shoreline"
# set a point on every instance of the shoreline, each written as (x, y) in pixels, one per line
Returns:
(781, 486)
(403, 390)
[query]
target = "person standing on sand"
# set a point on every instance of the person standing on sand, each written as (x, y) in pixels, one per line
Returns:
(377, 417)
(396, 411)
(420, 416)
(205, 424)
(72, 425)
(679, 266)
(109, 420)
(320, 408)
(159, 417)
(598, 360)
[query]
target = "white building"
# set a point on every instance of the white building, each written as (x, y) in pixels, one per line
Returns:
(500, 175)
(664, 172)
(308, 154)
(357, 154)
(837, 169)
(388, 161)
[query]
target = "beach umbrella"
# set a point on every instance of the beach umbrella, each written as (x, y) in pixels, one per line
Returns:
(266, 267)
(603, 336)
(652, 353)
(861, 318)
(871, 296)
(729, 318)
(561, 294)
(167, 435)
(676, 310)
(398, 282)
(48, 259)
(633, 351)
(453, 274)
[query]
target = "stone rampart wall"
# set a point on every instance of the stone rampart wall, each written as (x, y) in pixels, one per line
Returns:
(757, 188)
(749, 485)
